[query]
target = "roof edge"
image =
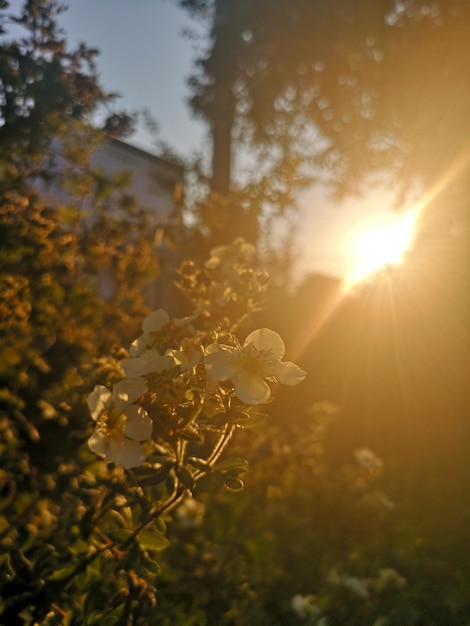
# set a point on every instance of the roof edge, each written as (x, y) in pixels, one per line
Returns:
(178, 169)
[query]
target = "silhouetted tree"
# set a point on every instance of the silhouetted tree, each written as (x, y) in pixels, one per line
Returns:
(350, 88)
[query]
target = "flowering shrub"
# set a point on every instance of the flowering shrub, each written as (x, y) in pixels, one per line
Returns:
(183, 395)
(185, 387)
(81, 541)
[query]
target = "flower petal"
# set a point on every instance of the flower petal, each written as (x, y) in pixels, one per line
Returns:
(184, 321)
(154, 322)
(139, 345)
(98, 400)
(149, 361)
(268, 341)
(221, 361)
(128, 391)
(288, 373)
(138, 424)
(250, 389)
(184, 361)
(126, 452)
(98, 444)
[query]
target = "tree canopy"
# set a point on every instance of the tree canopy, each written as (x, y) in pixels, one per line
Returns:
(352, 88)
(47, 91)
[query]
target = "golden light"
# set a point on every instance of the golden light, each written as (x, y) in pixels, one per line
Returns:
(380, 245)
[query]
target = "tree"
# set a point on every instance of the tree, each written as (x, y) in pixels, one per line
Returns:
(46, 90)
(350, 89)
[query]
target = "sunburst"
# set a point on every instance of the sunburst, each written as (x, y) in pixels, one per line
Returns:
(381, 245)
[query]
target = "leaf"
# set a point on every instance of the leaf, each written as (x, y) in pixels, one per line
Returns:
(119, 535)
(109, 618)
(153, 540)
(234, 484)
(150, 564)
(62, 573)
(235, 415)
(156, 476)
(251, 421)
(232, 466)
(220, 419)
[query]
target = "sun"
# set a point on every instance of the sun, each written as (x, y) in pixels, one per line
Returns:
(382, 244)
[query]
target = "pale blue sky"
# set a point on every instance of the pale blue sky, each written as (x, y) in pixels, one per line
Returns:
(145, 58)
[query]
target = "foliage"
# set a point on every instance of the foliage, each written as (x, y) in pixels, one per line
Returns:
(67, 520)
(376, 94)
(46, 90)
(54, 326)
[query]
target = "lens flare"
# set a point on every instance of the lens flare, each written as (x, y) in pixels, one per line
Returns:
(382, 245)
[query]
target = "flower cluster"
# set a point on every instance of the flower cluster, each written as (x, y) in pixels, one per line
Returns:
(161, 367)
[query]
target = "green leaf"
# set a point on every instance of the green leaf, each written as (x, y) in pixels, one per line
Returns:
(153, 540)
(63, 572)
(150, 564)
(232, 466)
(108, 618)
(119, 535)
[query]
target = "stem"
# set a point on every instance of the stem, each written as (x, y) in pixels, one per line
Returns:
(178, 494)
(218, 449)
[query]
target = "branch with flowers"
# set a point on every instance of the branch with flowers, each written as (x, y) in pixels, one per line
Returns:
(184, 388)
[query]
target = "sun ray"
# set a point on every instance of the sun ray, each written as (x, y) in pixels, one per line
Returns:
(381, 245)
(325, 313)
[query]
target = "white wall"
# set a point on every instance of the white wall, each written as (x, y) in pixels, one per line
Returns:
(153, 179)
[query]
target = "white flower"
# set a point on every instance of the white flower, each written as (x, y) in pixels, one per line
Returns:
(155, 321)
(120, 425)
(126, 392)
(304, 605)
(185, 321)
(247, 367)
(190, 514)
(151, 362)
(148, 362)
(185, 359)
(368, 460)
(356, 585)
(388, 577)
(151, 325)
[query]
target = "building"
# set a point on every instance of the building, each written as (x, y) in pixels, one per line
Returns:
(155, 185)
(155, 182)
